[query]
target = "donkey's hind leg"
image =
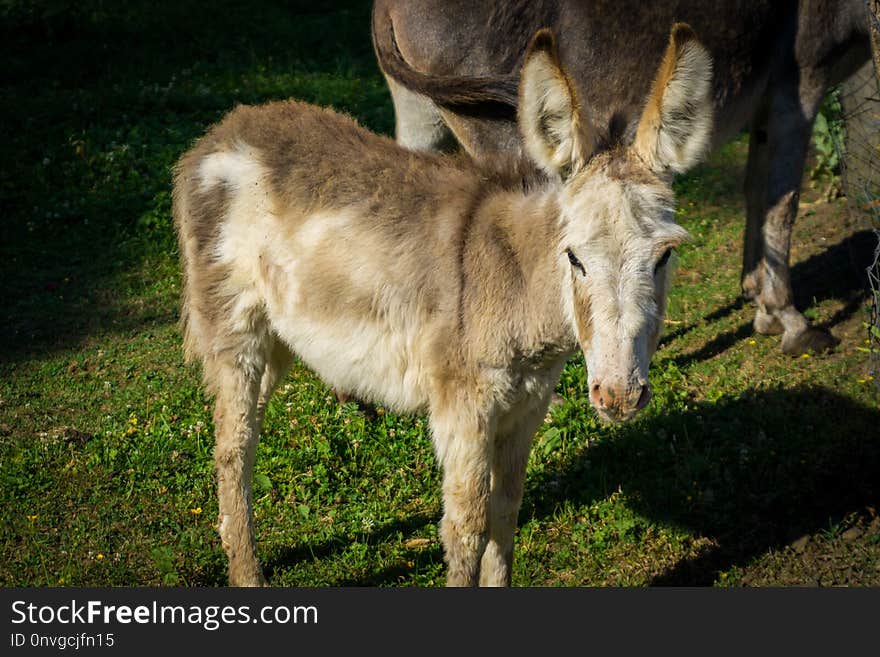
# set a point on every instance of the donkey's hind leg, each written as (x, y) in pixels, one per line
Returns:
(417, 122)
(235, 374)
(777, 152)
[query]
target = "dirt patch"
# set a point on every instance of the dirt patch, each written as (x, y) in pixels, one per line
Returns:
(847, 555)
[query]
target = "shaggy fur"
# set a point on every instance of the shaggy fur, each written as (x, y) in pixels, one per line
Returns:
(427, 283)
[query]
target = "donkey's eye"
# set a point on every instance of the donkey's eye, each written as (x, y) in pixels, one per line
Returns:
(572, 258)
(663, 260)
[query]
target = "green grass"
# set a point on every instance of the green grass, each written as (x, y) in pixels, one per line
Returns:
(105, 435)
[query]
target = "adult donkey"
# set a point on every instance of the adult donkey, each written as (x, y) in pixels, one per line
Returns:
(433, 283)
(451, 67)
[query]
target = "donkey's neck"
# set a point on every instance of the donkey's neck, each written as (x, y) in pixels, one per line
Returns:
(513, 275)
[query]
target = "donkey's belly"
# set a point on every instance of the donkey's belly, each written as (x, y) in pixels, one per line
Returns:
(360, 357)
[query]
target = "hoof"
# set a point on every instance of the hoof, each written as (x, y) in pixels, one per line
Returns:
(341, 397)
(366, 408)
(248, 579)
(254, 582)
(812, 339)
(767, 324)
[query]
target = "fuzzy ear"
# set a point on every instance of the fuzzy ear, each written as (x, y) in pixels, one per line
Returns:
(556, 136)
(675, 129)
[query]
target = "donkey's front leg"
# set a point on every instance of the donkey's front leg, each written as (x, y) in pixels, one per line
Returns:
(463, 447)
(510, 455)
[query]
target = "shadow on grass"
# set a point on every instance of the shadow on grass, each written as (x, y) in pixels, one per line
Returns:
(836, 273)
(714, 316)
(286, 558)
(751, 474)
(839, 272)
(715, 346)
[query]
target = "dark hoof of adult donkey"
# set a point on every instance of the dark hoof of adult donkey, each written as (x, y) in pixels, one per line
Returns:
(795, 343)
(812, 339)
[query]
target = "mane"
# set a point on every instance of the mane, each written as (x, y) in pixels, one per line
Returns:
(515, 173)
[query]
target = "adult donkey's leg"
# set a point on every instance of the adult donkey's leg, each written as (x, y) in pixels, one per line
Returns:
(756, 211)
(777, 153)
(418, 125)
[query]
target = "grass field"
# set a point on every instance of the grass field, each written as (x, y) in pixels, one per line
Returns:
(748, 468)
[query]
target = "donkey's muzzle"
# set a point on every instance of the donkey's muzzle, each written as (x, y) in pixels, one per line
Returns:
(619, 403)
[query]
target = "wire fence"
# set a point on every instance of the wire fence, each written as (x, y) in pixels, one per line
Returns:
(860, 167)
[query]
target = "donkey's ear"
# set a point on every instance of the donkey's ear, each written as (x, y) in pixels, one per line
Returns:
(676, 125)
(556, 136)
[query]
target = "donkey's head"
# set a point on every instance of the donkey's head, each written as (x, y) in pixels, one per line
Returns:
(616, 208)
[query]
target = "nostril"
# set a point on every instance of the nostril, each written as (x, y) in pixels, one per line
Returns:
(596, 395)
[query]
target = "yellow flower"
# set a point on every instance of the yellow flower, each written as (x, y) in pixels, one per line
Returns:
(196, 511)
(753, 341)
(99, 556)
(805, 355)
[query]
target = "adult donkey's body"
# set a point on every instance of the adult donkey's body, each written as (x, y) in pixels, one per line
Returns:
(452, 65)
(431, 283)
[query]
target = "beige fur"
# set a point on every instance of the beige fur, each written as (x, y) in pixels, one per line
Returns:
(431, 284)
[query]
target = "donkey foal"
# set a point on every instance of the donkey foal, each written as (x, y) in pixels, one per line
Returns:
(432, 283)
